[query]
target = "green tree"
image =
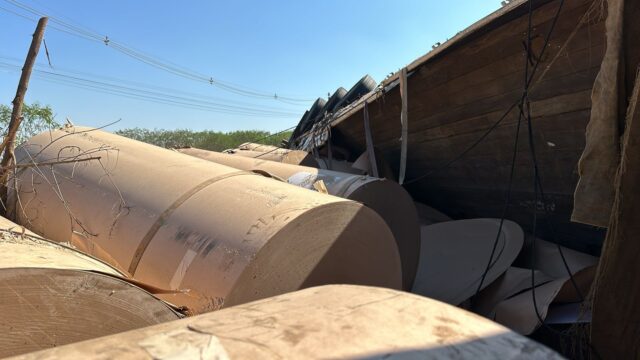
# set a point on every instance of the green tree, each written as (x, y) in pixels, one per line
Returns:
(208, 140)
(36, 119)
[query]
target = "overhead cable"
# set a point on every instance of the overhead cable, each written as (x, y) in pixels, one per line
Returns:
(153, 95)
(154, 61)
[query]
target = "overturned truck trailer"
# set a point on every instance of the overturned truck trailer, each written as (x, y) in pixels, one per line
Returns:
(211, 235)
(456, 111)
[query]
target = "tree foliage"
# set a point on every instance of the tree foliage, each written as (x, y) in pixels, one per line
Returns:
(209, 140)
(36, 119)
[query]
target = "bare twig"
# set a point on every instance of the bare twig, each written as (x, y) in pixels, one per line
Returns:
(19, 166)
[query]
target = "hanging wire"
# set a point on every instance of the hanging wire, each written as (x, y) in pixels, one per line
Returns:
(538, 190)
(537, 184)
(524, 98)
(258, 140)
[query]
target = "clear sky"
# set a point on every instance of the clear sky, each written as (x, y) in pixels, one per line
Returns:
(293, 48)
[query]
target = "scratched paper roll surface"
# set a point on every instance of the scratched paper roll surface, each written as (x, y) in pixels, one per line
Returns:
(220, 235)
(326, 322)
(385, 197)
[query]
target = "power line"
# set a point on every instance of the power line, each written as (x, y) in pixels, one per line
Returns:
(88, 83)
(15, 13)
(152, 95)
(139, 84)
(148, 59)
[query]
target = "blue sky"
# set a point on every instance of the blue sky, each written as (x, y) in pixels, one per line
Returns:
(299, 49)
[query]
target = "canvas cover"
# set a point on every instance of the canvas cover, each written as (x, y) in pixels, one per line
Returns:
(597, 166)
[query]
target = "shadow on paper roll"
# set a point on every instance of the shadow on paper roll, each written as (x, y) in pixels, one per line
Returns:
(52, 295)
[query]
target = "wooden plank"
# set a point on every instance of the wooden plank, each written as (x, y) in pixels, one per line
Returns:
(470, 103)
(507, 19)
(500, 141)
(505, 44)
(461, 91)
(511, 32)
(440, 109)
(555, 107)
(467, 202)
(490, 111)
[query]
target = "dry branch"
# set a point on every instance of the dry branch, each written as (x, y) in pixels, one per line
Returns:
(8, 143)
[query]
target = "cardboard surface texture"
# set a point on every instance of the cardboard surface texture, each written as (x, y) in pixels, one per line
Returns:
(337, 321)
(52, 295)
(216, 235)
(385, 197)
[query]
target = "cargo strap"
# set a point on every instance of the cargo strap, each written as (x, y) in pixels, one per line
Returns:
(329, 151)
(404, 121)
(367, 131)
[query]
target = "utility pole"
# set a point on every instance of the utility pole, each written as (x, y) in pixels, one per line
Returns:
(8, 143)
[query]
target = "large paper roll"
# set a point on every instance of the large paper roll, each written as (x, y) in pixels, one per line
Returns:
(219, 235)
(385, 197)
(327, 322)
(53, 295)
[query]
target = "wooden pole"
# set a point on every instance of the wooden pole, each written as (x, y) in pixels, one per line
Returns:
(8, 143)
